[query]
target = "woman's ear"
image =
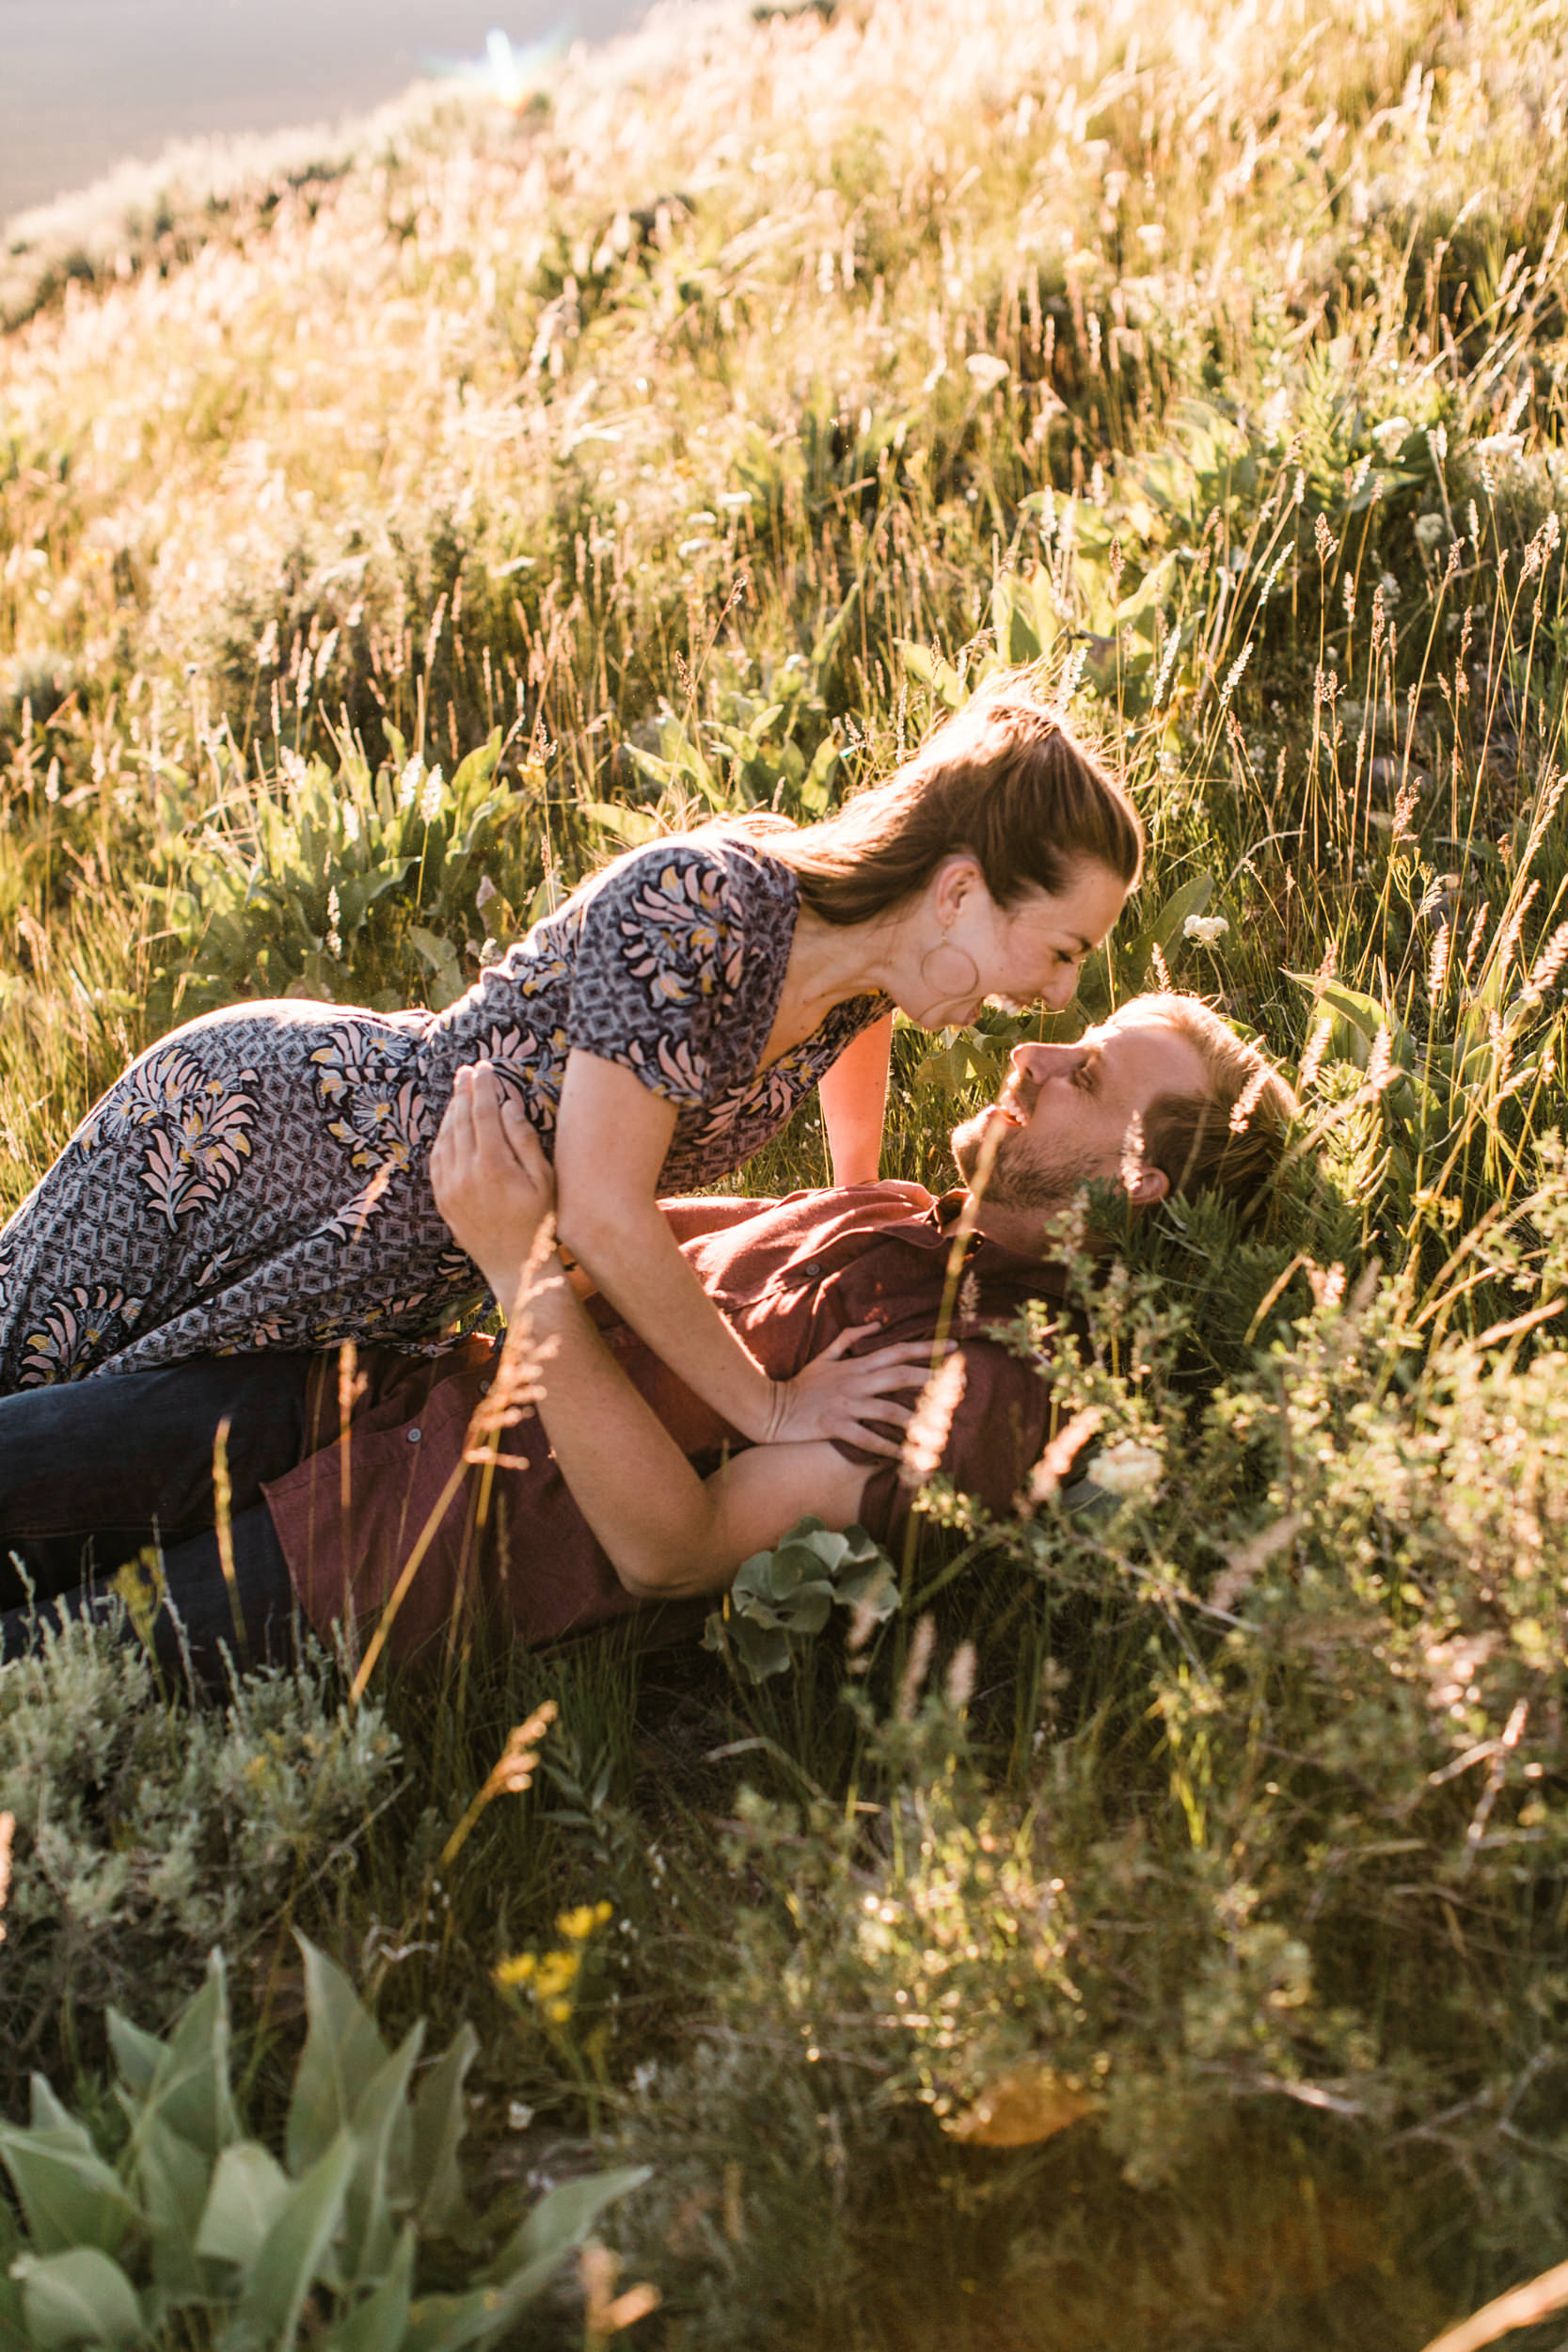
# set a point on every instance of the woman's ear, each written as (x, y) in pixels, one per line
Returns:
(954, 884)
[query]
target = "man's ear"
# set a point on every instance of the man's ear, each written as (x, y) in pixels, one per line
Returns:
(1153, 1184)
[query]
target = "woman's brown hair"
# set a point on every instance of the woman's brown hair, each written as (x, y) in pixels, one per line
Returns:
(1004, 779)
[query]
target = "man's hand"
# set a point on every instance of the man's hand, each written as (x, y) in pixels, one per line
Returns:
(492, 1181)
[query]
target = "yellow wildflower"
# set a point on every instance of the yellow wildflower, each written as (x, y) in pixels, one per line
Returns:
(580, 1923)
(517, 1970)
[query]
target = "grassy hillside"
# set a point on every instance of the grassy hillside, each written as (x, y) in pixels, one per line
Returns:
(386, 535)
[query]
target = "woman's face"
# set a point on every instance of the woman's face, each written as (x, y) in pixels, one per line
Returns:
(1028, 953)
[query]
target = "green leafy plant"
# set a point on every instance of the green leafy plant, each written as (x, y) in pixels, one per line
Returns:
(191, 2222)
(345, 884)
(786, 1596)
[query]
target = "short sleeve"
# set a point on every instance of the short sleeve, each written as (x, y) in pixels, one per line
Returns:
(659, 955)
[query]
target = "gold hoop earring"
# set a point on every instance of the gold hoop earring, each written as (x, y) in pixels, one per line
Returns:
(945, 988)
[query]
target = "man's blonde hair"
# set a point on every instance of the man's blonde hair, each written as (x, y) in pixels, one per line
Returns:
(1231, 1138)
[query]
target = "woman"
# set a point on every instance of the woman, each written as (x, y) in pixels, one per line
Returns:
(261, 1179)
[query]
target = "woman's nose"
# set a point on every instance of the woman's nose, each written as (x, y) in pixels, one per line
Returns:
(1058, 993)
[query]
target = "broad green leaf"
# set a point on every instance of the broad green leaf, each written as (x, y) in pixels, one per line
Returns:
(561, 2221)
(622, 819)
(440, 2119)
(76, 2297)
(173, 2178)
(381, 2189)
(343, 2052)
(380, 2322)
(249, 2190)
(190, 2089)
(294, 2253)
(69, 2195)
(136, 2054)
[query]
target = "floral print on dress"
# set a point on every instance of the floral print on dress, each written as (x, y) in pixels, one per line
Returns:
(260, 1178)
(372, 1087)
(73, 1330)
(682, 935)
(199, 1122)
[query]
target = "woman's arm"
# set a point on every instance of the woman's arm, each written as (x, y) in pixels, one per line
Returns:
(853, 1094)
(666, 1531)
(611, 1138)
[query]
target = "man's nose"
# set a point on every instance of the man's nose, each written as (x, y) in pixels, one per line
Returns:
(1039, 1061)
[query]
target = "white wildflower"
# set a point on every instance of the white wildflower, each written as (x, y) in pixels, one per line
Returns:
(334, 918)
(351, 824)
(1205, 930)
(409, 782)
(1429, 530)
(432, 797)
(1390, 433)
(1132, 1154)
(1125, 1468)
(987, 370)
(927, 1435)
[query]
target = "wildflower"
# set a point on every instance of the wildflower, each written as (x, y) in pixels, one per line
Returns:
(1161, 969)
(926, 1434)
(1391, 434)
(580, 1923)
(916, 1666)
(1388, 587)
(511, 1773)
(1548, 964)
(1247, 1101)
(351, 824)
(607, 2312)
(432, 795)
(1207, 930)
(1429, 530)
(1132, 1154)
(1151, 235)
(1233, 675)
(1060, 1454)
(1127, 1468)
(510, 1972)
(1437, 968)
(409, 782)
(8, 1831)
(987, 370)
(1380, 1064)
(1324, 539)
(334, 918)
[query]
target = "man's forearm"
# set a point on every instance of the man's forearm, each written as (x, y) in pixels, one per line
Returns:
(631, 1481)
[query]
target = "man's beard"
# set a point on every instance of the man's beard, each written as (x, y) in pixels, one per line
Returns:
(1021, 1174)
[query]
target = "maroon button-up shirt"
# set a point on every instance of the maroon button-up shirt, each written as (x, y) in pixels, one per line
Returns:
(789, 1276)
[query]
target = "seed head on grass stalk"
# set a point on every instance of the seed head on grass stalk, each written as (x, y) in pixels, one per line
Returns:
(510, 1775)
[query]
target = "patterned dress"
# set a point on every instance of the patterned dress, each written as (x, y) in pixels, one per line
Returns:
(259, 1177)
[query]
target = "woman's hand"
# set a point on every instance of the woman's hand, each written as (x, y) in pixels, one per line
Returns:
(492, 1181)
(844, 1397)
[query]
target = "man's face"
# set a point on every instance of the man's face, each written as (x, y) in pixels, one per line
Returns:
(1065, 1112)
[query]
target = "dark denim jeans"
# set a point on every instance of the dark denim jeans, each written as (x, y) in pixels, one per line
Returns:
(92, 1471)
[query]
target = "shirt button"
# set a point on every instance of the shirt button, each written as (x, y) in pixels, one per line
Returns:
(485, 1388)
(414, 1436)
(811, 1268)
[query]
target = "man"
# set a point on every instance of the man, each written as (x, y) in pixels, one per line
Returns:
(397, 1494)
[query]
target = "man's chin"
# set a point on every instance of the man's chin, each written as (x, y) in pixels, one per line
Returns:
(994, 1157)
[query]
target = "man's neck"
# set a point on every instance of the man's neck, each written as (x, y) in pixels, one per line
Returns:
(1021, 1231)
